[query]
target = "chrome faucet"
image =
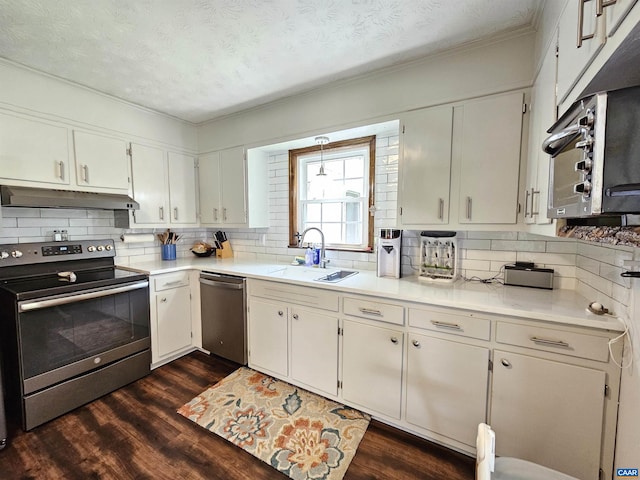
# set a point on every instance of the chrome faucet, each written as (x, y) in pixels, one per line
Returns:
(323, 259)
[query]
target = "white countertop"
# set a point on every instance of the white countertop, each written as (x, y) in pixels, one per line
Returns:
(558, 306)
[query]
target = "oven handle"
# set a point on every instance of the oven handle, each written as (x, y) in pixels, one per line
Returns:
(557, 141)
(28, 306)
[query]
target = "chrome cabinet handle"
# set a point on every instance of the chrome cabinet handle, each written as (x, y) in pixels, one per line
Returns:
(60, 165)
(533, 202)
(215, 214)
(602, 4)
(85, 173)
(581, 36)
(505, 362)
(451, 326)
(164, 300)
(370, 311)
(280, 313)
(161, 212)
(394, 340)
(416, 343)
(526, 204)
(174, 282)
(551, 343)
(224, 214)
(295, 316)
(469, 208)
(175, 213)
(440, 209)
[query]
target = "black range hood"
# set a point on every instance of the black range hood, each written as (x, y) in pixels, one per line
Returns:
(11, 196)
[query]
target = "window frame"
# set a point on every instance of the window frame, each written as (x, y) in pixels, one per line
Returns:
(370, 142)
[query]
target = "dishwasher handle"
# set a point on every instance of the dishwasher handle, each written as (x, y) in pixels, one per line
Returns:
(222, 281)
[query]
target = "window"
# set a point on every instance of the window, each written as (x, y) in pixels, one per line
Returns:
(337, 203)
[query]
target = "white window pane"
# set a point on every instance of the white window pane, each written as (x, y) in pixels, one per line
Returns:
(353, 212)
(332, 212)
(354, 188)
(353, 233)
(332, 232)
(313, 213)
(354, 167)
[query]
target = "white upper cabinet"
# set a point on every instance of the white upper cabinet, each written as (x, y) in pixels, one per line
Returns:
(182, 188)
(164, 184)
(33, 152)
(426, 156)
(102, 162)
(573, 60)
(460, 164)
(150, 184)
(233, 189)
(490, 142)
(543, 115)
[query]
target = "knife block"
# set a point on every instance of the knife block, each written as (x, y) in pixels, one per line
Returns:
(225, 251)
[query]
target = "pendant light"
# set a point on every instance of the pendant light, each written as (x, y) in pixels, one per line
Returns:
(321, 141)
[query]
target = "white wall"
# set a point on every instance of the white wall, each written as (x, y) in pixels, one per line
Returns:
(29, 92)
(465, 73)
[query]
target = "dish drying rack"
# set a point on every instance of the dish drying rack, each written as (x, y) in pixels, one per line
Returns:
(438, 256)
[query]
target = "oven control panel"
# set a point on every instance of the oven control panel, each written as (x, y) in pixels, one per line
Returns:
(61, 250)
(43, 252)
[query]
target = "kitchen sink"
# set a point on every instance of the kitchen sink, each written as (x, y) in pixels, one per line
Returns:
(336, 276)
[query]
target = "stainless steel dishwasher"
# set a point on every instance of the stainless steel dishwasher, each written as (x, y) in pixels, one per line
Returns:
(224, 319)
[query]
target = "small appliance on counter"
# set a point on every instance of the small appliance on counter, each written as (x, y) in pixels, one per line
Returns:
(438, 256)
(525, 274)
(389, 252)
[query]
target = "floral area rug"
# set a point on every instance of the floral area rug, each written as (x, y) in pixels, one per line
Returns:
(298, 433)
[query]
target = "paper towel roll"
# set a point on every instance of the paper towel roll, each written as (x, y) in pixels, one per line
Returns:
(137, 237)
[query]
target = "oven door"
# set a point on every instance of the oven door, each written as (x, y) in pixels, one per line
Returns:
(63, 336)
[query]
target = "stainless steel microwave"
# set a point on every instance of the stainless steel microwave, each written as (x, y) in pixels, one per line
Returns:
(595, 157)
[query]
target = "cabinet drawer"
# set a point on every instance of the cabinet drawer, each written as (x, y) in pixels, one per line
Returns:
(170, 280)
(306, 296)
(466, 325)
(364, 308)
(556, 341)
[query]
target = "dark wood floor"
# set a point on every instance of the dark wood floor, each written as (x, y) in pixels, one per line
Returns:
(135, 433)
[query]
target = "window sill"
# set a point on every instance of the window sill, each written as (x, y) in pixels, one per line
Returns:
(340, 249)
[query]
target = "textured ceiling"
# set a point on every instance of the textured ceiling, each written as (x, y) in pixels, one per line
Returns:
(200, 59)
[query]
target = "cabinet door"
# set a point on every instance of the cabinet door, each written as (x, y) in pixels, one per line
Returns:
(232, 187)
(548, 412)
(314, 349)
(33, 151)
(426, 166)
(182, 189)
(543, 115)
(573, 61)
(372, 367)
(268, 336)
(209, 181)
(174, 320)
(101, 161)
(447, 386)
(616, 13)
(150, 189)
(490, 165)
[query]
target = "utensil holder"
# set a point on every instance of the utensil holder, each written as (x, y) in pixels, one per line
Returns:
(169, 251)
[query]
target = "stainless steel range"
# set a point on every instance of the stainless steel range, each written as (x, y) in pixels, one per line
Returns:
(73, 326)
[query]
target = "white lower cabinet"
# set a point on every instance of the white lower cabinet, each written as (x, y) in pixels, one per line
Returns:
(447, 385)
(268, 336)
(372, 367)
(292, 339)
(549, 390)
(548, 412)
(171, 326)
(314, 349)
